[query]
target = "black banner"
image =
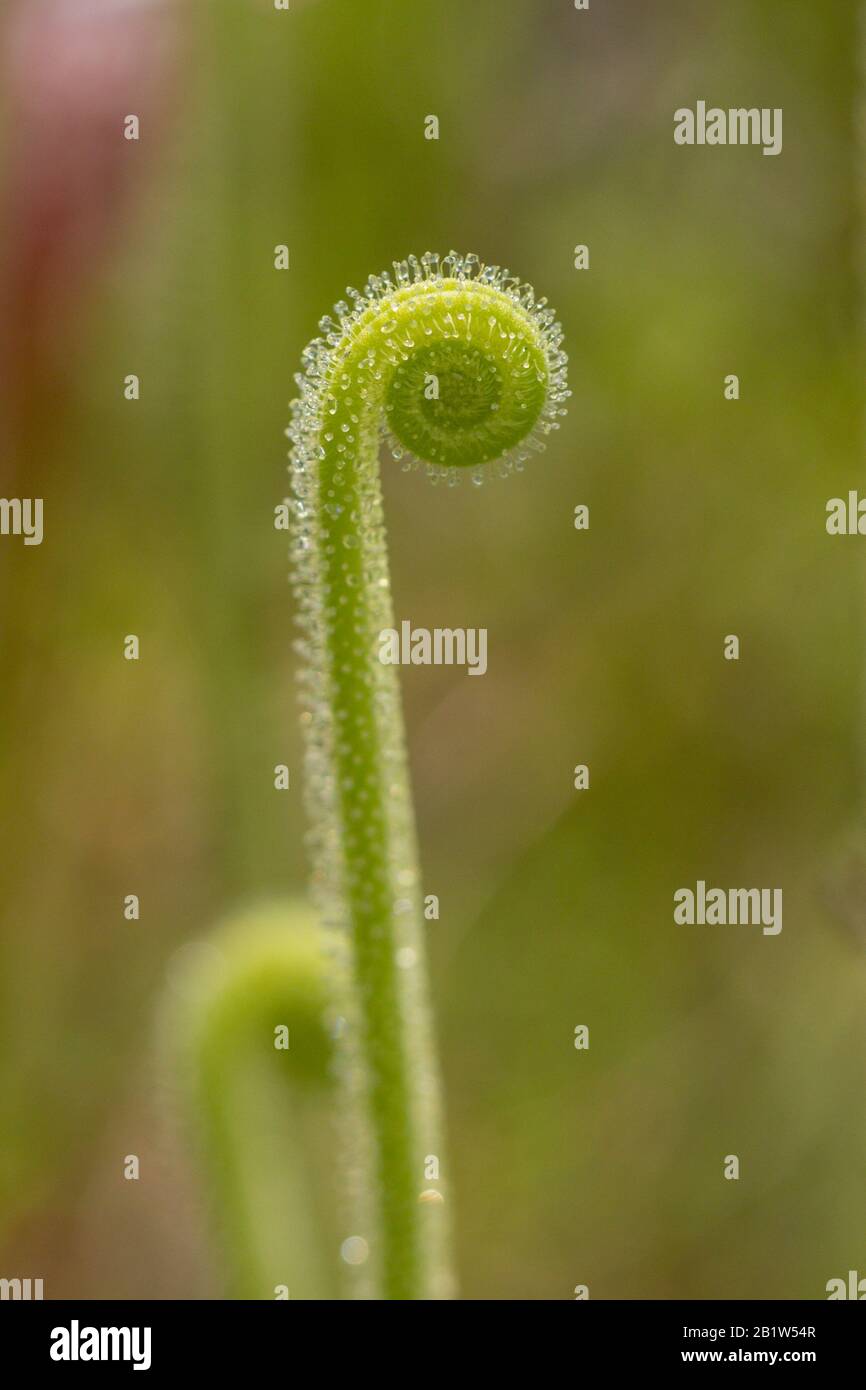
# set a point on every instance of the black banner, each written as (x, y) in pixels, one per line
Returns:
(158, 1337)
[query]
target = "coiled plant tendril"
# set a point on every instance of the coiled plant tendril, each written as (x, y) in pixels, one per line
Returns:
(457, 365)
(255, 1114)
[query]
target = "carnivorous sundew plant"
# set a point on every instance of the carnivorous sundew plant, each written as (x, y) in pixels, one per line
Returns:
(460, 368)
(245, 1028)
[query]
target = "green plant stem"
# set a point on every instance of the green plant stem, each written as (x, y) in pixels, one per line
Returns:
(258, 1115)
(379, 869)
(494, 354)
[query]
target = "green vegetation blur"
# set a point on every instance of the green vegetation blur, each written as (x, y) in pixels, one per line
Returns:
(306, 128)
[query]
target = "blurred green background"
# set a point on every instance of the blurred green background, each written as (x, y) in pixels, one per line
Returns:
(605, 647)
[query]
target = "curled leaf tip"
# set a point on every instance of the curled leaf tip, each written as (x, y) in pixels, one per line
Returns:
(461, 363)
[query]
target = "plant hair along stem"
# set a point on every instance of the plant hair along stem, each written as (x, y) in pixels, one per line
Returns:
(460, 368)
